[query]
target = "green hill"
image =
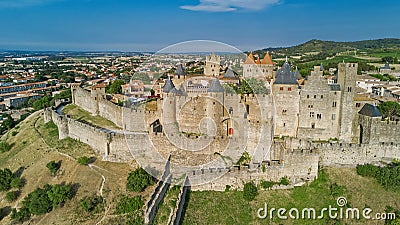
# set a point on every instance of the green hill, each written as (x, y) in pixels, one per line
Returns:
(34, 144)
(335, 47)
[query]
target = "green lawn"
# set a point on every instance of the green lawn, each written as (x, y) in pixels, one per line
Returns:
(80, 114)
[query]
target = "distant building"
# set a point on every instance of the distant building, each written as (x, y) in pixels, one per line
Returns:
(135, 88)
(385, 69)
(20, 100)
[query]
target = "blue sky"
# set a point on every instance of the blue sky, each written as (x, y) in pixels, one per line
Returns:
(150, 25)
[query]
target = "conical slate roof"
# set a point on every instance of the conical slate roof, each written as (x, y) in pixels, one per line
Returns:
(168, 86)
(215, 86)
(297, 74)
(180, 70)
(370, 110)
(285, 75)
(230, 73)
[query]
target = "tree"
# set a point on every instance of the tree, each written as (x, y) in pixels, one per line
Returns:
(38, 201)
(138, 180)
(244, 159)
(20, 216)
(53, 167)
(389, 109)
(89, 203)
(12, 196)
(250, 191)
(5, 179)
(16, 182)
(115, 87)
(129, 205)
(84, 160)
(59, 194)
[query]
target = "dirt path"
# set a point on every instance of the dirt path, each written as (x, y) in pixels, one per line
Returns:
(91, 166)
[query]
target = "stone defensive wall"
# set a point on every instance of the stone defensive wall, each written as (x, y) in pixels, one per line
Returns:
(110, 145)
(351, 155)
(299, 166)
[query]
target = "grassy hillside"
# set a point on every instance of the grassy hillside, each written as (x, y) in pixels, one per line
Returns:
(229, 207)
(35, 145)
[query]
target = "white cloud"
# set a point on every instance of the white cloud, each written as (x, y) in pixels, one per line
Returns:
(230, 5)
(23, 3)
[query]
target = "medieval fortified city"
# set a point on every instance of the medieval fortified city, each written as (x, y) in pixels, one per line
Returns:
(199, 112)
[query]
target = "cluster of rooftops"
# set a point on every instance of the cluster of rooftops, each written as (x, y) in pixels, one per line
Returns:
(284, 75)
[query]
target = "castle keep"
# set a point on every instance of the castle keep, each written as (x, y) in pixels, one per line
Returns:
(288, 131)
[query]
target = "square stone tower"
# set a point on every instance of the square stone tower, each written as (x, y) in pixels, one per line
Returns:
(347, 73)
(212, 66)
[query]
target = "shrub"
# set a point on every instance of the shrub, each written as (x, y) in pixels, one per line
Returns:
(5, 179)
(284, 181)
(38, 202)
(250, 191)
(53, 167)
(138, 180)
(4, 147)
(84, 160)
(20, 216)
(14, 133)
(16, 182)
(267, 184)
(89, 203)
(367, 170)
(129, 205)
(59, 194)
(12, 196)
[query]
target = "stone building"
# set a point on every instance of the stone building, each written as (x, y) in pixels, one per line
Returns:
(212, 66)
(257, 68)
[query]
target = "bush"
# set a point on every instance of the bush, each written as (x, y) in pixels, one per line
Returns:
(4, 147)
(6, 177)
(20, 216)
(38, 202)
(367, 170)
(129, 205)
(250, 191)
(138, 180)
(267, 184)
(89, 203)
(284, 181)
(388, 177)
(12, 196)
(16, 182)
(42, 201)
(53, 167)
(84, 160)
(14, 133)
(59, 194)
